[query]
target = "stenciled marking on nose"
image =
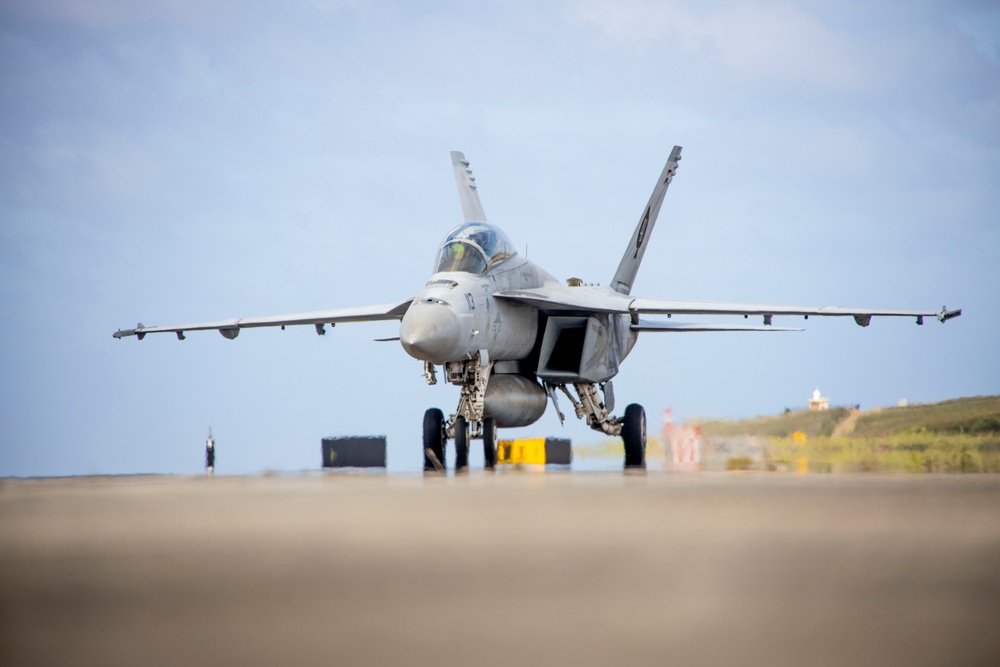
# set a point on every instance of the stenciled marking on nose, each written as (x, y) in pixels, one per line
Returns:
(430, 332)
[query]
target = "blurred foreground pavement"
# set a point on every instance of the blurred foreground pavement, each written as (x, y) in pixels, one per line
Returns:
(565, 568)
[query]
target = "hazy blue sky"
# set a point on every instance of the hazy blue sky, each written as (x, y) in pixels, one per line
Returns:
(181, 161)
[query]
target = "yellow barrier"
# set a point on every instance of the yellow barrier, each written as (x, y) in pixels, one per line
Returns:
(534, 451)
(527, 451)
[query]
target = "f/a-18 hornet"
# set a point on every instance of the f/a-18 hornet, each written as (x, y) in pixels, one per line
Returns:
(512, 336)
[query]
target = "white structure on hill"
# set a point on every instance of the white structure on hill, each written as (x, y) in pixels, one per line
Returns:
(818, 402)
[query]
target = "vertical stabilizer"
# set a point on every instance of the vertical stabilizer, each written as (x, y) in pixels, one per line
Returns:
(471, 208)
(629, 266)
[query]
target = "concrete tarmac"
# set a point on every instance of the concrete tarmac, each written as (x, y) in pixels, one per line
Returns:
(507, 569)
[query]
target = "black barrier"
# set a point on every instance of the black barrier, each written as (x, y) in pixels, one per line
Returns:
(558, 451)
(354, 452)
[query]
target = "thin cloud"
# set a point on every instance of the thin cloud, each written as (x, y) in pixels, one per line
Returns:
(112, 13)
(779, 41)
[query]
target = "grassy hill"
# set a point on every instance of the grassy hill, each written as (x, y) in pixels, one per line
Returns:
(812, 423)
(978, 414)
(974, 415)
(960, 435)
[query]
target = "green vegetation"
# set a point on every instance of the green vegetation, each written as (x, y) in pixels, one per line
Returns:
(739, 463)
(812, 423)
(923, 452)
(979, 414)
(961, 435)
(613, 448)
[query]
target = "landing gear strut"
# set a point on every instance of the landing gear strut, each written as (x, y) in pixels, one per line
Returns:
(631, 427)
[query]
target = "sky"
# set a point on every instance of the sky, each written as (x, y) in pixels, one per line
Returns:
(182, 161)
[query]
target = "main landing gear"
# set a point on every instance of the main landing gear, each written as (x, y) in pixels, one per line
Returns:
(634, 435)
(469, 423)
(589, 406)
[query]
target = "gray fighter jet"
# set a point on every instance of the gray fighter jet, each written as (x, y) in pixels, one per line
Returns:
(512, 336)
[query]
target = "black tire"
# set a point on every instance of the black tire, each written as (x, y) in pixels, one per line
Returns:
(634, 435)
(461, 445)
(490, 442)
(434, 440)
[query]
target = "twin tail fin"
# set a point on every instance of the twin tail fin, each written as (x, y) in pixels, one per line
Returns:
(629, 266)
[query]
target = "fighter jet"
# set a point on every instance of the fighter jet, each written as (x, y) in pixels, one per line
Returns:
(513, 337)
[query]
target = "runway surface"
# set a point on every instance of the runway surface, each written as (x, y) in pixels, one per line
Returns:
(563, 568)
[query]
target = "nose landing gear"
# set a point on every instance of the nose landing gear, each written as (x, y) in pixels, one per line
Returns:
(461, 445)
(436, 435)
(490, 442)
(434, 441)
(468, 422)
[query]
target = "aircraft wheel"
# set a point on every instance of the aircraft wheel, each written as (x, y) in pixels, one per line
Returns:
(461, 445)
(490, 442)
(634, 435)
(433, 440)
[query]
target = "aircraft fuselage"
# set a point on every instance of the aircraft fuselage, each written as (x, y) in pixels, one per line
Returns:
(455, 316)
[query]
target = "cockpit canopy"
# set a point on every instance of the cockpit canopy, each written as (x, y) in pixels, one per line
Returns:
(473, 248)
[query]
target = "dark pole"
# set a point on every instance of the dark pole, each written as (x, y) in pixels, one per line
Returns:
(210, 454)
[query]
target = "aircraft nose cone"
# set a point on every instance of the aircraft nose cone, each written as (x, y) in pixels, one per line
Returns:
(430, 332)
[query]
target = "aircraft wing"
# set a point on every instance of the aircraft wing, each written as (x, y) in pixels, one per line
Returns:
(688, 327)
(862, 316)
(603, 300)
(231, 328)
